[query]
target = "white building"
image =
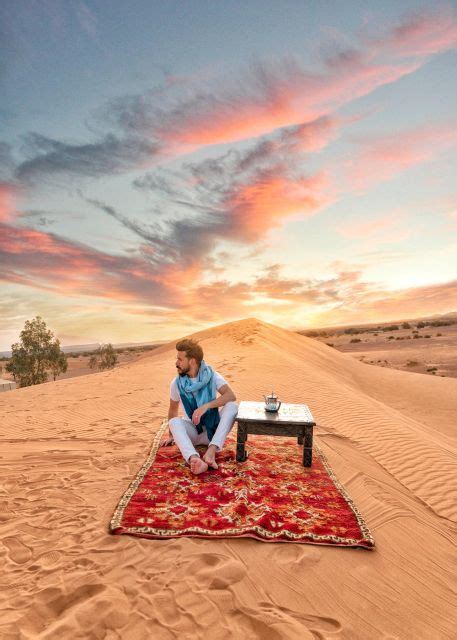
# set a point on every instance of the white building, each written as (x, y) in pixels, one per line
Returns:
(7, 385)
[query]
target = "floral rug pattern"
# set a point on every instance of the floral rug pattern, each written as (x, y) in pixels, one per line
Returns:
(269, 497)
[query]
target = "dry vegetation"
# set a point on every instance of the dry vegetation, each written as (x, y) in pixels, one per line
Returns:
(424, 346)
(78, 363)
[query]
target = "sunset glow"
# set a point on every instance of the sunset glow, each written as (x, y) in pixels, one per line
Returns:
(185, 173)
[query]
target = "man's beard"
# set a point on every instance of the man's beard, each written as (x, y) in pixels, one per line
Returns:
(183, 372)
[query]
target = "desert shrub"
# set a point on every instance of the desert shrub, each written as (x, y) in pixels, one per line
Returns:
(351, 331)
(416, 335)
(421, 325)
(427, 336)
(355, 340)
(375, 334)
(37, 354)
(439, 335)
(392, 327)
(391, 338)
(104, 358)
(406, 325)
(412, 363)
(432, 369)
(329, 344)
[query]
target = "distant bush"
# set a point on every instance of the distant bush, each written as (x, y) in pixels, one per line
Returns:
(330, 344)
(432, 369)
(421, 325)
(351, 331)
(416, 335)
(427, 336)
(406, 325)
(438, 335)
(104, 358)
(355, 340)
(391, 338)
(412, 363)
(392, 327)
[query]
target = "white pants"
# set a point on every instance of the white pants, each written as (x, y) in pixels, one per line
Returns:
(185, 433)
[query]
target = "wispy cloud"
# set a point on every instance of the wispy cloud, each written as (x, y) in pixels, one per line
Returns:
(377, 304)
(419, 33)
(382, 157)
(48, 262)
(8, 198)
(109, 156)
(180, 117)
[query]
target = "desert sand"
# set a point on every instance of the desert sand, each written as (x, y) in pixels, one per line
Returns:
(70, 448)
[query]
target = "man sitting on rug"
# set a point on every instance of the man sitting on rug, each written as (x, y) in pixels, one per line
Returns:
(209, 418)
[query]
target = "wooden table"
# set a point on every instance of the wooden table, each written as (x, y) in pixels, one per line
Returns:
(290, 420)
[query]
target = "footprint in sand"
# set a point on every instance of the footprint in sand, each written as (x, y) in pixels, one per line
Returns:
(215, 571)
(49, 558)
(17, 550)
(297, 556)
(315, 624)
(286, 623)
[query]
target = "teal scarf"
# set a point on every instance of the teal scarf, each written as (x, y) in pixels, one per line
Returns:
(195, 394)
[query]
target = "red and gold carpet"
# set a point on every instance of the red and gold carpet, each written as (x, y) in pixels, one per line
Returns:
(270, 497)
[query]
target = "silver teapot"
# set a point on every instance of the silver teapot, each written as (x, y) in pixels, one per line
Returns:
(272, 403)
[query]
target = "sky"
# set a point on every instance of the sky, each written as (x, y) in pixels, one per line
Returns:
(166, 166)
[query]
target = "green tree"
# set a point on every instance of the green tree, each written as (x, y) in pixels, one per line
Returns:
(36, 353)
(105, 357)
(58, 360)
(108, 357)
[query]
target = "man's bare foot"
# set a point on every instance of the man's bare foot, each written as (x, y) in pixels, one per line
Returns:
(210, 457)
(197, 465)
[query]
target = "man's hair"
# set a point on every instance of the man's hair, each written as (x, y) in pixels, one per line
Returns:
(192, 349)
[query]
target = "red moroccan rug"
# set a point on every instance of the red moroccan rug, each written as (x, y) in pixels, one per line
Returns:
(270, 497)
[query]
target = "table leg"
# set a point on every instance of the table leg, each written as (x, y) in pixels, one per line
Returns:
(308, 446)
(301, 436)
(241, 438)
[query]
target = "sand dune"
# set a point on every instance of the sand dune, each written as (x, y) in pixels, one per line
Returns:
(70, 448)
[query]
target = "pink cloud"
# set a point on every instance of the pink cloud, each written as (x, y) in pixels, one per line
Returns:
(269, 97)
(381, 158)
(420, 34)
(8, 199)
(49, 262)
(269, 199)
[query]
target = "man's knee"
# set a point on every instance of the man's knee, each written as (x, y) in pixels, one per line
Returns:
(174, 423)
(231, 407)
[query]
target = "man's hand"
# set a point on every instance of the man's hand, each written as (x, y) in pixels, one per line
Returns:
(167, 441)
(197, 414)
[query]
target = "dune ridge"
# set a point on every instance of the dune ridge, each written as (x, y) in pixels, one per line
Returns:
(70, 448)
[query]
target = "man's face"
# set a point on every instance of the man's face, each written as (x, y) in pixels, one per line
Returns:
(182, 363)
